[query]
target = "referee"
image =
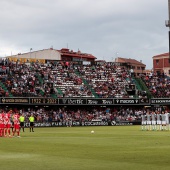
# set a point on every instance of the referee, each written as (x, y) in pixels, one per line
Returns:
(22, 119)
(31, 120)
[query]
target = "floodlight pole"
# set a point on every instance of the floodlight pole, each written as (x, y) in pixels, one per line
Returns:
(167, 23)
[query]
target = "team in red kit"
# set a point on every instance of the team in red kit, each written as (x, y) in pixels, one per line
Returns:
(8, 121)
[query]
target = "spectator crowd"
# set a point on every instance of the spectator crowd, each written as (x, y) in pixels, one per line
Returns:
(65, 79)
(63, 114)
(158, 84)
(57, 79)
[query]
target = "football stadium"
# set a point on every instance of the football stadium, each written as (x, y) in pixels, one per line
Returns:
(67, 110)
(83, 115)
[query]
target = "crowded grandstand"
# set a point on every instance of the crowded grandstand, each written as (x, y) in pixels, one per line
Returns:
(57, 92)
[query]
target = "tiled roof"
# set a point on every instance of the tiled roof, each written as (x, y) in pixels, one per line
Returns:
(129, 60)
(78, 54)
(161, 55)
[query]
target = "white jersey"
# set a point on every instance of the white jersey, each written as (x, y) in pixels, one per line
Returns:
(163, 119)
(153, 117)
(167, 118)
(143, 117)
(148, 117)
(158, 117)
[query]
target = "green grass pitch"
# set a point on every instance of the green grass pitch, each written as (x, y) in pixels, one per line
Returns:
(75, 148)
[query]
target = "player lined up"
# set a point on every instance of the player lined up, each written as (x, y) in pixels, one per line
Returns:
(9, 120)
(10, 124)
(155, 120)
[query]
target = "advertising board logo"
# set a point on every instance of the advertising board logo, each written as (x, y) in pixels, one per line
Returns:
(3, 100)
(64, 101)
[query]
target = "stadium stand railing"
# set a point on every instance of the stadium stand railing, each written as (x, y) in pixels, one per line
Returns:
(86, 83)
(144, 87)
(5, 89)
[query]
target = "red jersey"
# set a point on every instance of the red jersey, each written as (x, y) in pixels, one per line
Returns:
(16, 119)
(1, 118)
(7, 118)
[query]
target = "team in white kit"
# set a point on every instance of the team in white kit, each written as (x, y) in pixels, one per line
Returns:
(155, 120)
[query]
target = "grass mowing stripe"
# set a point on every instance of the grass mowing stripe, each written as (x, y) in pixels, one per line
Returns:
(121, 147)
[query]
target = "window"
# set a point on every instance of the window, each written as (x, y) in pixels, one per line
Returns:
(157, 62)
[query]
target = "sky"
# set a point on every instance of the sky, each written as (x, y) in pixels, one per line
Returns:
(105, 28)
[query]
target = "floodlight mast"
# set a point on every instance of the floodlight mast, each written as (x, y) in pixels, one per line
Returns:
(167, 23)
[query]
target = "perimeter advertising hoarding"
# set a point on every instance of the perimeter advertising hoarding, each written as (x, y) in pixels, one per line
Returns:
(72, 101)
(82, 101)
(160, 101)
(85, 123)
(46, 101)
(11, 100)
